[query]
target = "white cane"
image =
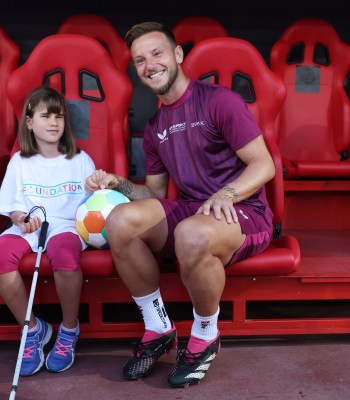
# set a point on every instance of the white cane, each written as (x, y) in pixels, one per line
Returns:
(42, 240)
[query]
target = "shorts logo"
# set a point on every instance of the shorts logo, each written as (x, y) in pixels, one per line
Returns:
(243, 215)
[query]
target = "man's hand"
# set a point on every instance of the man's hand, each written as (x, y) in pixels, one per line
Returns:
(220, 203)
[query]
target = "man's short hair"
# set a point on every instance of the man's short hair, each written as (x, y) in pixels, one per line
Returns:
(138, 30)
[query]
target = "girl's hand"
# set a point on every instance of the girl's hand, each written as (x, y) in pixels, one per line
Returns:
(31, 226)
(101, 180)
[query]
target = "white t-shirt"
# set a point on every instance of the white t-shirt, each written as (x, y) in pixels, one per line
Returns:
(57, 184)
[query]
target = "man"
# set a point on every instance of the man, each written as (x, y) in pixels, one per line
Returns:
(205, 138)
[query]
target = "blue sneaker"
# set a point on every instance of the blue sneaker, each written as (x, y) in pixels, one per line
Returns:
(61, 357)
(33, 355)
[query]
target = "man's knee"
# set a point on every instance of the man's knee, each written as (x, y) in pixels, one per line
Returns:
(192, 240)
(119, 220)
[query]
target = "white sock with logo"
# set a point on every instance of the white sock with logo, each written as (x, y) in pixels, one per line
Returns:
(205, 328)
(153, 311)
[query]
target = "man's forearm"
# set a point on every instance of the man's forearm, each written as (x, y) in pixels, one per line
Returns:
(134, 191)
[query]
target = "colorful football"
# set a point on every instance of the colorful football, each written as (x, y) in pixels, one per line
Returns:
(91, 216)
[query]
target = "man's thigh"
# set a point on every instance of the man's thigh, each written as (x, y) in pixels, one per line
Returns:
(175, 211)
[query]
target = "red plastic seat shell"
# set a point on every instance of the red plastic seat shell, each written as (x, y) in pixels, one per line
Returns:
(226, 56)
(105, 142)
(314, 126)
(101, 29)
(197, 28)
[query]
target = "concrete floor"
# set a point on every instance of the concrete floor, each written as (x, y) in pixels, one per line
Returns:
(293, 368)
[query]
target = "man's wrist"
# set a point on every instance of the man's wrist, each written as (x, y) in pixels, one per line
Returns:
(231, 192)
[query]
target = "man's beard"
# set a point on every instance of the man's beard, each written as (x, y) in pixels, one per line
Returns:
(165, 89)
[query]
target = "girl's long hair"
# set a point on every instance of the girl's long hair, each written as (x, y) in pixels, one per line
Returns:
(55, 103)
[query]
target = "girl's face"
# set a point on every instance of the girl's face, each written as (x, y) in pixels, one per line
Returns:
(47, 128)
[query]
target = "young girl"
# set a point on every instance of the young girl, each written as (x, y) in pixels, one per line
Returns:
(48, 171)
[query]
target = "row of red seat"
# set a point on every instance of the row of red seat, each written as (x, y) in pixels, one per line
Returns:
(312, 61)
(99, 93)
(98, 96)
(314, 125)
(313, 132)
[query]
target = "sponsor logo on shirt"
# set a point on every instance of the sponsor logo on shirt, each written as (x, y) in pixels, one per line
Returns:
(177, 127)
(198, 123)
(162, 136)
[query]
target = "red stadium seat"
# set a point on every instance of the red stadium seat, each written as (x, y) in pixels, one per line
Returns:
(98, 97)
(237, 64)
(314, 132)
(99, 28)
(9, 57)
(191, 30)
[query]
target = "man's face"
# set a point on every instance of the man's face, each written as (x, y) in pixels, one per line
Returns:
(156, 61)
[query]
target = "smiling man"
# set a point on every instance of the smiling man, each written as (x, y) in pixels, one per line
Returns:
(205, 138)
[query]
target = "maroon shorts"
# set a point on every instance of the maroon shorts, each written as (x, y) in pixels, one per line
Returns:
(256, 226)
(63, 251)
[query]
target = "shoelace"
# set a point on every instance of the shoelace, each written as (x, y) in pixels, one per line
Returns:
(141, 346)
(63, 349)
(29, 350)
(154, 344)
(186, 355)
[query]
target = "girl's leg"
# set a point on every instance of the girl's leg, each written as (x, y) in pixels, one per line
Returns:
(64, 252)
(12, 289)
(68, 287)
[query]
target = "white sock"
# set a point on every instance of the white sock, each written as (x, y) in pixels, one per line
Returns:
(34, 329)
(70, 330)
(205, 328)
(153, 312)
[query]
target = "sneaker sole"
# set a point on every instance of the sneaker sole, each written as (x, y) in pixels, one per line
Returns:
(61, 370)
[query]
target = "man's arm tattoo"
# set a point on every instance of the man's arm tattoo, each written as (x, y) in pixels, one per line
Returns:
(125, 187)
(231, 190)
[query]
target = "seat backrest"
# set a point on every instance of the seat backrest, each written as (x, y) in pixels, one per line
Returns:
(191, 30)
(101, 29)
(314, 64)
(238, 65)
(97, 93)
(9, 57)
